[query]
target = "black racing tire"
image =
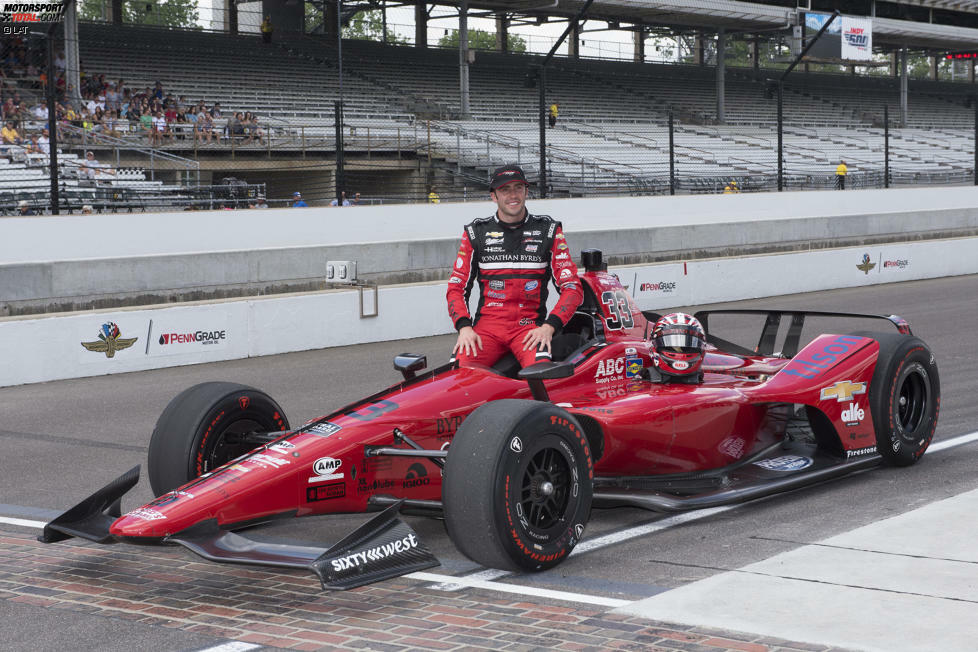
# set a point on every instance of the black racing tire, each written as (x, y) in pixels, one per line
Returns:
(518, 485)
(198, 431)
(904, 397)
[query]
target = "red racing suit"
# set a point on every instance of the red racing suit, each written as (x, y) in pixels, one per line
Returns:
(513, 264)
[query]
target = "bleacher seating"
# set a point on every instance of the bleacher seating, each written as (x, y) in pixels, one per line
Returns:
(611, 135)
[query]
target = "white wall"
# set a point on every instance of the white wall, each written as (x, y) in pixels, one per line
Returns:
(49, 348)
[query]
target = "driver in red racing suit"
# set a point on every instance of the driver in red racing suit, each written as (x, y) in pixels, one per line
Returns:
(513, 255)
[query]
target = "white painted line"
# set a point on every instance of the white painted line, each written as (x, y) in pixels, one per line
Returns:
(483, 575)
(624, 535)
(951, 443)
(233, 646)
(566, 596)
(21, 522)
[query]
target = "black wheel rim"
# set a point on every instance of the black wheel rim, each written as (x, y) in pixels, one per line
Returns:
(911, 405)
(545, 488)
(229, 443)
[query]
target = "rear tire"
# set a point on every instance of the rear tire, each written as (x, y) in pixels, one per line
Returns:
(518, 485)
(200, 430)
(905, 397)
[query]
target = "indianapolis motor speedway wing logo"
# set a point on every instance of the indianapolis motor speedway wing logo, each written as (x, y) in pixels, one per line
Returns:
(108, 341)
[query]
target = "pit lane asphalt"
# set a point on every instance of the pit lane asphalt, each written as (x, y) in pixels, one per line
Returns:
(65, 439)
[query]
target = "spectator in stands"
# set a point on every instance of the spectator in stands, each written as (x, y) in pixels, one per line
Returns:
(59, 61)
(297, 200)
(8, 111)
(92, 170)
(157, 92)
(44, 142)
(344, 201)
(266, 29)
(216, 111)
(87, 209)
(204, 129)
(160, 129)
(10, 134)
(40, 111)
(235, 127)
(553, 115)
(110, 124)
(24, 209)
(261, 203)
(356, 200)
(840, 175)
(113, 101)
(433, 197)
(731, 188)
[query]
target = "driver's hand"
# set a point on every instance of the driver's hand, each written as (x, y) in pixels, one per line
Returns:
(467, 342)
(539, 338)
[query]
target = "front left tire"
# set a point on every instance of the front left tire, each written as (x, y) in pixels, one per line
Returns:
(204, 427)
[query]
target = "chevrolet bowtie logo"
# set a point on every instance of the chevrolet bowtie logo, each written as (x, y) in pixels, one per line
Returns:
(843, 391)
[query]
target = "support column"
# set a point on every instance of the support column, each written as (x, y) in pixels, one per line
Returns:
(116, 12)
(895, 63)
(330, 18)
(230, 16)
(72, 60)
(698, 49)
(421, 24)
(639, 37)
(971, 72)
(933, 67)
(463, 57)
(756, 52)
(502, 32)
(903, 87)
(574, 42)
(721, 72)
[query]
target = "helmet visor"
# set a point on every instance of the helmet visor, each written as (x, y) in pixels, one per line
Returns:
(679, 343)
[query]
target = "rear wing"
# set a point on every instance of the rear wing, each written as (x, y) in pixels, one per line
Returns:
(772, 322)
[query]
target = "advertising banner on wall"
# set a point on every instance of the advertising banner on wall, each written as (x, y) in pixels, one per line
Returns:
(857, 38)
(848, 39)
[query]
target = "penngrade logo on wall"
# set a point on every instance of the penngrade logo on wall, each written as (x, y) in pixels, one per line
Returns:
(109, 340)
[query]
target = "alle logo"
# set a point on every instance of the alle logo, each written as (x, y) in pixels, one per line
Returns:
(853, 414)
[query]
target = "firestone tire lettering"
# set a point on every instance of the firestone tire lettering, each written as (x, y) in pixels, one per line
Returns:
(488, 513)
(904, 397)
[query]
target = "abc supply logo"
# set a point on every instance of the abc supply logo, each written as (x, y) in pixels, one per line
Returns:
(204, 338)
(31, 12)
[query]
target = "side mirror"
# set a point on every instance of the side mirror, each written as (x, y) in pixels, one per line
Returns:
(409, 363)
(535, 374)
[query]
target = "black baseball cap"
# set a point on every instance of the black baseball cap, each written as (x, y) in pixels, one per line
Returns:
(507, 174)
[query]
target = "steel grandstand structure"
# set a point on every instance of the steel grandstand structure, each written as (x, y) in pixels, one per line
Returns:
(395, 121)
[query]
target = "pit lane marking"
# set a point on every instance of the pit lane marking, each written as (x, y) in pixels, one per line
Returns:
(233, 646)
(658, 525)
(468, 582)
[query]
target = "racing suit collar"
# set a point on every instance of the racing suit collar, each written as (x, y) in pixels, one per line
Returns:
(511, 225)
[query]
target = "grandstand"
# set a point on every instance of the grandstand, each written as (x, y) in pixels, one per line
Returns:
(403, 128)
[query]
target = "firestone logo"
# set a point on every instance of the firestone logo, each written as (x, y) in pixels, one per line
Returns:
(203, 337)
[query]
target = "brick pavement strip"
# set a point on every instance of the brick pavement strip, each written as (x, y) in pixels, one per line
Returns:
(161, 586)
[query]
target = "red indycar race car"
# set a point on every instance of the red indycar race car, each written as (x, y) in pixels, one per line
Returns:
(514, 460)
